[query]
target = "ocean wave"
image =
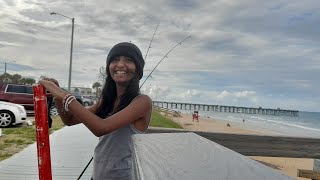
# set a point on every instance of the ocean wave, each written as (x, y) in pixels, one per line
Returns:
(293, 125)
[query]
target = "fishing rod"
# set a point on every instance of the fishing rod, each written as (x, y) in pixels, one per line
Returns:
(145, 58)
(166, 55)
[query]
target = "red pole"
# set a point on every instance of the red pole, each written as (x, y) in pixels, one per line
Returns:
(42, 132)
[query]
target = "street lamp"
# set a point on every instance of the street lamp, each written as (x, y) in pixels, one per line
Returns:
(5, 70)
(70, 66)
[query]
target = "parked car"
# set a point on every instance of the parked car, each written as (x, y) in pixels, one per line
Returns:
(79, 97)
(23, 95)
(18, 94)
(87, 101)
(11, 114)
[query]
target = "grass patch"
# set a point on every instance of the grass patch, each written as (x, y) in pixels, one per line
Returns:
(56, 124)
(18, 137)
(5, 156)
(18, 141)
(157, 120)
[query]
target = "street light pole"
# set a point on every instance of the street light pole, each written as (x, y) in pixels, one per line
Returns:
(5, 71)
(71, 49)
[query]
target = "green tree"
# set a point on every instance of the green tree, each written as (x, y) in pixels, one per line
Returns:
(3, 77)
(16, 78)
(30, 81)
(76, 90)
(6, 78)
(23, 81)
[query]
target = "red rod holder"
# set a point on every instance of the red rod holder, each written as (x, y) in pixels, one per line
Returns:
(42, 132)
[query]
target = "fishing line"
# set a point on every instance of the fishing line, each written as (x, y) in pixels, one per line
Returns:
(166, 55)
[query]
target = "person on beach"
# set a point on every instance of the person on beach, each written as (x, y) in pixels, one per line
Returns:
(195, 116)
(120, 112)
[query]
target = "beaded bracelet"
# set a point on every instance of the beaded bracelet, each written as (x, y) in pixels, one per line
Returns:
(64, 101)
(68, 101)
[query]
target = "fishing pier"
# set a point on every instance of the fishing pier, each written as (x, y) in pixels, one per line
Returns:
(227, 109)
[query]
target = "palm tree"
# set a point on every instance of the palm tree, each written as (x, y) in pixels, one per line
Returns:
(96, 86)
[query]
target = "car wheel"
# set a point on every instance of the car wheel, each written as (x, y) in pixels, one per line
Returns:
(6, 118)
(86, 104)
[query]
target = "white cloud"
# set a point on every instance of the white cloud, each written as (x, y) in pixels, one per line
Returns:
(4, 43)
(237, 95)
(244, 94)
(239, 50)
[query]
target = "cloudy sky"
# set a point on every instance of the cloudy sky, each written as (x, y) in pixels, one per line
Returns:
(251, 53)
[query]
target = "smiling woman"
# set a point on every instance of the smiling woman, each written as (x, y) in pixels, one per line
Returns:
(120, 112)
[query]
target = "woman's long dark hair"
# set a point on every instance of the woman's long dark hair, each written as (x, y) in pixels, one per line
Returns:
(109, 95)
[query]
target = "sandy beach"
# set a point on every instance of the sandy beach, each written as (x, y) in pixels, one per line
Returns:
(288, 166)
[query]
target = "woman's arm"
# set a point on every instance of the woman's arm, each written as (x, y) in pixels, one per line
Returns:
(137, 109)
(67, 117)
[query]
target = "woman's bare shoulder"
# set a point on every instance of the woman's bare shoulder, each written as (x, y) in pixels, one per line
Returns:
(143, 97)
(141, 101)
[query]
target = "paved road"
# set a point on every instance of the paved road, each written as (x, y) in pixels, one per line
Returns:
(71, 149)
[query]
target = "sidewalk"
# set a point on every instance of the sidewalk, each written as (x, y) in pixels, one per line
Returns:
(71, 149)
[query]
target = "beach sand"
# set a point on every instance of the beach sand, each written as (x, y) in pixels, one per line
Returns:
(288, 166)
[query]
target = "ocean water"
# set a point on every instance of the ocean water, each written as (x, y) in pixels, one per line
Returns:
(307, 124)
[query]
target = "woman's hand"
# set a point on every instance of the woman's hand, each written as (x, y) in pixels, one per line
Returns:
(49, 79)
(52, 86)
